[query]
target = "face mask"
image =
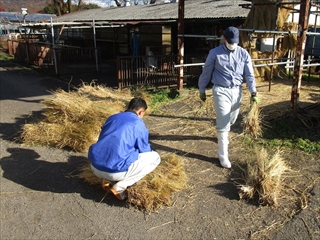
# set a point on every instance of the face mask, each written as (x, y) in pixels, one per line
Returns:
(231, 47)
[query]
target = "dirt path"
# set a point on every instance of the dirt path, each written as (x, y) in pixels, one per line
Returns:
(40, 199)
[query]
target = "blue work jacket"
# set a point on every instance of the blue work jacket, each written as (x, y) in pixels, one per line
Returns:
(122, 138)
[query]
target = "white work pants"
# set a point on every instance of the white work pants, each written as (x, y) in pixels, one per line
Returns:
(227, 105)
(145, 164)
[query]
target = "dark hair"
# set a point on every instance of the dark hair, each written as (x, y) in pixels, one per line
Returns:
(137, 103)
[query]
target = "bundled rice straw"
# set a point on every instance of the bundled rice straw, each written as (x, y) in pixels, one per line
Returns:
(252, 121)
(74, 119)
(264, 177)
(153, 191)
(267, 16)
(77, 136)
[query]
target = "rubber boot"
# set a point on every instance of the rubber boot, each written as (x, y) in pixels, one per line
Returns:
(223, 149)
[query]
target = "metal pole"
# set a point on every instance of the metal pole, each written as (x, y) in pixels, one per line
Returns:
(53, 48)
(251, 23)
(257, 65)
(313, 43)
(95, 44)
(300, 46)
(277, 32)
(26, 43)
(180, 43)
(214, 37)
(273, 44)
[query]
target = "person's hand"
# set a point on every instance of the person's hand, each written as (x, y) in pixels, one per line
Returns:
(254, 98)
(203, 96)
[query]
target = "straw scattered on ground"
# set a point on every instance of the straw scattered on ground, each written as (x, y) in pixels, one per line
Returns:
(155, 190)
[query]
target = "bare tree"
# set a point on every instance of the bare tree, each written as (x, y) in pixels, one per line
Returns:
(118, 2)
(58, 5)
(79, 4)
(69, 6)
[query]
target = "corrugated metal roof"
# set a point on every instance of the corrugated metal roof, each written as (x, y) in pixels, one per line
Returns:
(194, 9)
(15, 17)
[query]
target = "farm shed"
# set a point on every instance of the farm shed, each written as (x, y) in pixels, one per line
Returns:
(131, 38)
(141, 41)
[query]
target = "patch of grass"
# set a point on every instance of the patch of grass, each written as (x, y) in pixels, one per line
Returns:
(283, 133)
(161, 96)
(305, 77)
(306, 145)
(6, 57)
(313, 78)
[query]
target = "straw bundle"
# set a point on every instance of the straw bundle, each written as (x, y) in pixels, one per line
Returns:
(76, 136)
(267, 17)
(153, 191)
(264, 178)
(74, 119)
(94, 91)
(264, 73)
(289, 40)
(251, 123)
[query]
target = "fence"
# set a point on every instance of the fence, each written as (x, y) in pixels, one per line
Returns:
(69, 60)
(154, 71)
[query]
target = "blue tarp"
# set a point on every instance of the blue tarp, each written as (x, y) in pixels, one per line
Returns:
(309, 42)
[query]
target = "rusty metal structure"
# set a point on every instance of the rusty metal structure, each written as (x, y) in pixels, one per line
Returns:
(302, 32)
(298, 62)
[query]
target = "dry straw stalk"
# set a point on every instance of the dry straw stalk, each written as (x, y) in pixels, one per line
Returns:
(155, 190)
(74, 119)
(264, 178)
(252, 122)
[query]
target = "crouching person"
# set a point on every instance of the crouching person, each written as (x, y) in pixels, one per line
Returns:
(122, 155)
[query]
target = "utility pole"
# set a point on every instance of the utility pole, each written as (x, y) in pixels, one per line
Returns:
(300, 47)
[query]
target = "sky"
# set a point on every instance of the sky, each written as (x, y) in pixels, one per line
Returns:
(101, 3)
(106, 3)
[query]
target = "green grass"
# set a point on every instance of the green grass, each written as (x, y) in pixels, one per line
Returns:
(304, 77)
(161, 96)
(4, 56)
(285, 134)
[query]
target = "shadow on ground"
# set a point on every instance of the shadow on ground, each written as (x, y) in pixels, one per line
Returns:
(25, 168)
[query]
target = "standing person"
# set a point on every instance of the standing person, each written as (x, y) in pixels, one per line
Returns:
(122, 155)
(226, 66)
